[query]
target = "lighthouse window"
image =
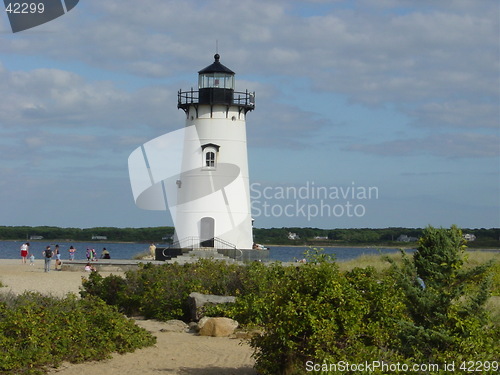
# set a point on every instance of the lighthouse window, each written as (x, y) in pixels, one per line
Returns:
(210, 159)
(210, 152)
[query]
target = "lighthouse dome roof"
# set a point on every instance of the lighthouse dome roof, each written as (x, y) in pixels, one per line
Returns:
(216, 67)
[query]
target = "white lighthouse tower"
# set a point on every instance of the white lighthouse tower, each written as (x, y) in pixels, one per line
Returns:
(213, 196)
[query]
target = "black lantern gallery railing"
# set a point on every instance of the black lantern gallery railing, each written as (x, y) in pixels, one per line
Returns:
(245, 100)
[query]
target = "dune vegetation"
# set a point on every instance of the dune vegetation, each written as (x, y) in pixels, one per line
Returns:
(439, 305)
(38, 332)
(434, 306)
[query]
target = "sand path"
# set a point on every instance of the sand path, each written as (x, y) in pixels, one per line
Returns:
(174, 353)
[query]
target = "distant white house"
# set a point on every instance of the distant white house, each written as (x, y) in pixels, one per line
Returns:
(469, 237)
(33, 237)
(293, 236)
(321, 237)
(99, 238)
(405, 238)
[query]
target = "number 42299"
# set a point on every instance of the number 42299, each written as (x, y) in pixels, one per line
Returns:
(25, 8)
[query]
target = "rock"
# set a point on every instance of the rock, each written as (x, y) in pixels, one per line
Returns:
(247, 335)
(198, 301)
(175, 326)
(168, 326)
(202, 322)
(217, 327)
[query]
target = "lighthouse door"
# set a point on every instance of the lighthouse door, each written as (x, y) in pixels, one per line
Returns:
(207, 232)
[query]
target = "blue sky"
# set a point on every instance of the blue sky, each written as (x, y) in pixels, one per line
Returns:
(399, 95)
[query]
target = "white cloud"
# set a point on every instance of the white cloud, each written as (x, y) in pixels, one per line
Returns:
(56, 98)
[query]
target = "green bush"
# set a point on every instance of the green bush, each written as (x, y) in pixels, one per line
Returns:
(161, 292)
(317, 313)
(37, 331)
(252, 305)
(445, 302)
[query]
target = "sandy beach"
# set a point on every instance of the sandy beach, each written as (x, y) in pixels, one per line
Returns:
(174, 353)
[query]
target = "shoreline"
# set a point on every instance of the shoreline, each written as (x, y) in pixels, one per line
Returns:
(314, 245)
(375, 247)
(343, 246)
(53, 242)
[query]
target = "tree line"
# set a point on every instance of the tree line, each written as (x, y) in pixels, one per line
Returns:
(364, 236)
(276, 236)
(156, 234)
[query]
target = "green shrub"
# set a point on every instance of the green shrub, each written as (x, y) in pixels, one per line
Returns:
(112, 289)
(252, 305)
(37, 331)
(445, 302)
(317, 313)
(161, 292)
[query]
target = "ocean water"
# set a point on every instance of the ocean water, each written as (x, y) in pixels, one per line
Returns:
(10, 250)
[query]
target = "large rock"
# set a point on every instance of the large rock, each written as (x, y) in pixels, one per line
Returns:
(175, 326)
(197, 303)
(157, 326)
(217, 327)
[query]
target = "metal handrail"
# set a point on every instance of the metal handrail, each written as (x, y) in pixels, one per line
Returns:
(187, 97)
(185, 241)
(245, 99)
(227, 244)
(193, 242)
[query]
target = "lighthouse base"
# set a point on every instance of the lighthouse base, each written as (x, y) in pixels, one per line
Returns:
(185, 255)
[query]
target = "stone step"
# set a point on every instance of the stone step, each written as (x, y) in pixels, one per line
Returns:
(204, 254)
(184, 259)
(193, 255)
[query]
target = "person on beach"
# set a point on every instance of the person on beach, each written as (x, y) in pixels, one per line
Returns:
(57, 253)
(93, 255)
(72, 251)
(58, 266)
(105, 254)
(88, 254)
(25, 251)
(152, 250)
(32, 260)
(48, 254)
(89, 268)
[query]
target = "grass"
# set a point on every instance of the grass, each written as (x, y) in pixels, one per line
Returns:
(477, 257)
(493, 306)
(474, 258)
(376, 261)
